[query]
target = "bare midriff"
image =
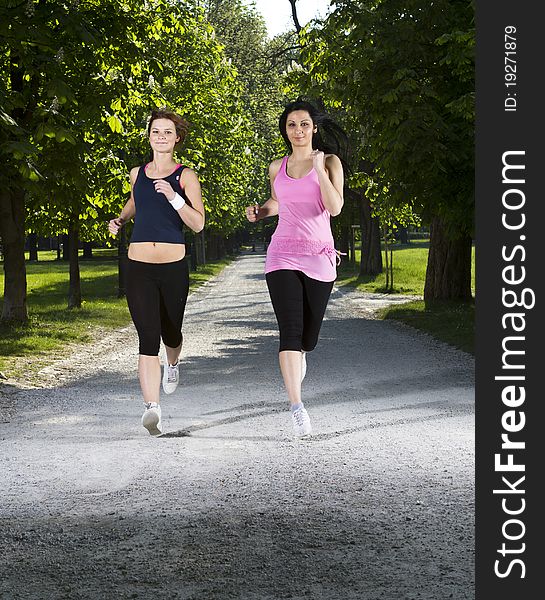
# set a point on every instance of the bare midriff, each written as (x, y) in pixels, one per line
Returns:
(156, 252)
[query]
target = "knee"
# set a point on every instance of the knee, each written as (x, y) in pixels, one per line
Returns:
(290, 340)
(172, 339)
(310, 340)
(307, 346)
(291, 333)
(294, 345)
(148, 343)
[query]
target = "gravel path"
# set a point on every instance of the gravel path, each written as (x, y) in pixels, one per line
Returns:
(377, 505)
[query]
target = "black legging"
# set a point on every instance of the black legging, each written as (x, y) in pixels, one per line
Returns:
(156, 295)
(299, 304)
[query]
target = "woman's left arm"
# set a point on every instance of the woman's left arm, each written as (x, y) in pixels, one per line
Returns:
(331, 178)
(192, 216)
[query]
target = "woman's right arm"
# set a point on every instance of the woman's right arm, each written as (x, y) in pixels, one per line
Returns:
(270, 207)
(129, 210)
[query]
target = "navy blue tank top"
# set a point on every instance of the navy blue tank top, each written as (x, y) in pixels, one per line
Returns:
(155, 219)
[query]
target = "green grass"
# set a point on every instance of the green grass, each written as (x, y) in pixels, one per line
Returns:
(51, 255)
(451, 322)
(409, 271)
(52, 329)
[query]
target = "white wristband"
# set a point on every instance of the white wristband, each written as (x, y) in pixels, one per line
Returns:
(178, 202)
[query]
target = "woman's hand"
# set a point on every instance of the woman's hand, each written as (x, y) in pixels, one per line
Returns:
(318, 161)
(115, 225)
(164, 187)
(252, 212)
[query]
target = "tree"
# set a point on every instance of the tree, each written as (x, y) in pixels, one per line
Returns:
(50, 47)
(260, 63)
(357, 204)
(404, 71)
(94, 70)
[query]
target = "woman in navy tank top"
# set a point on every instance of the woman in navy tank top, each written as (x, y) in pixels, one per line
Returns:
(165, 196)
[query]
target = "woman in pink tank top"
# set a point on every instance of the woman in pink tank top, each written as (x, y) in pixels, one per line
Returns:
(301, 264)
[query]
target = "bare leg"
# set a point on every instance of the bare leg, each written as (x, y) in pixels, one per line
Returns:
(149, 373)
(174, 353)
(290, 366)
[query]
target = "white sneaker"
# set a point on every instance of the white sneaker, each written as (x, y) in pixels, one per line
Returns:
(303, 365)
(301, 422)
(151, 419)
(171, 377)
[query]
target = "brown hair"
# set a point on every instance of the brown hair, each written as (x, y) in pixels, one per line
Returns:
(181, 125)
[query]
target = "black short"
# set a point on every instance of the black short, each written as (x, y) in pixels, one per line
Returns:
(156, 295)
(299, 304)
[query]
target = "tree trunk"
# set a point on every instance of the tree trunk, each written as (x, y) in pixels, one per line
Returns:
(122, 263)
(87, 250)
(199, 247)
(295, 16)
(222, 248)
(192, 255)
(211, 249)
(232, 244)
(65, 247)
(12, 232)
(32, 240)
(344, 240)
(448, 274)
(371, 255)
(74, 288)
(386, 259)
(12, 212)
(215, 246)
(391, 269)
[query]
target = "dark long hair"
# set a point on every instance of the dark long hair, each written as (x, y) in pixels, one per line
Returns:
(330, 137)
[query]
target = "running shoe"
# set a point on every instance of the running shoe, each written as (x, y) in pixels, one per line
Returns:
(301, 422)
(171, 377)
(151, 419)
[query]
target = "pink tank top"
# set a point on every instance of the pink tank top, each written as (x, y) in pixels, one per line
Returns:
(302, 240)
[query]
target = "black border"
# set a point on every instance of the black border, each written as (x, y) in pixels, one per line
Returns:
(498, 131)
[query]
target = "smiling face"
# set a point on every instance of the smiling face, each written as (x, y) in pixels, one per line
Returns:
(162, 135)
(300, 128)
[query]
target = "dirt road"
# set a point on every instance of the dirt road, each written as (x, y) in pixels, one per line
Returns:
(377, 505)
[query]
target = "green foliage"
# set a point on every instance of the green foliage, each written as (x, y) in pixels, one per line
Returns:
(392, 215)
(79, 80)
(409, 271)
(403, 71)
(259, 65)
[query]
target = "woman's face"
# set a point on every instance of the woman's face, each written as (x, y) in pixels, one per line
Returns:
(299, 128)
(162, 135)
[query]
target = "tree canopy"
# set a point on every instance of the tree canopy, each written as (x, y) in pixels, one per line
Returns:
(404, 71)
(80, 77)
